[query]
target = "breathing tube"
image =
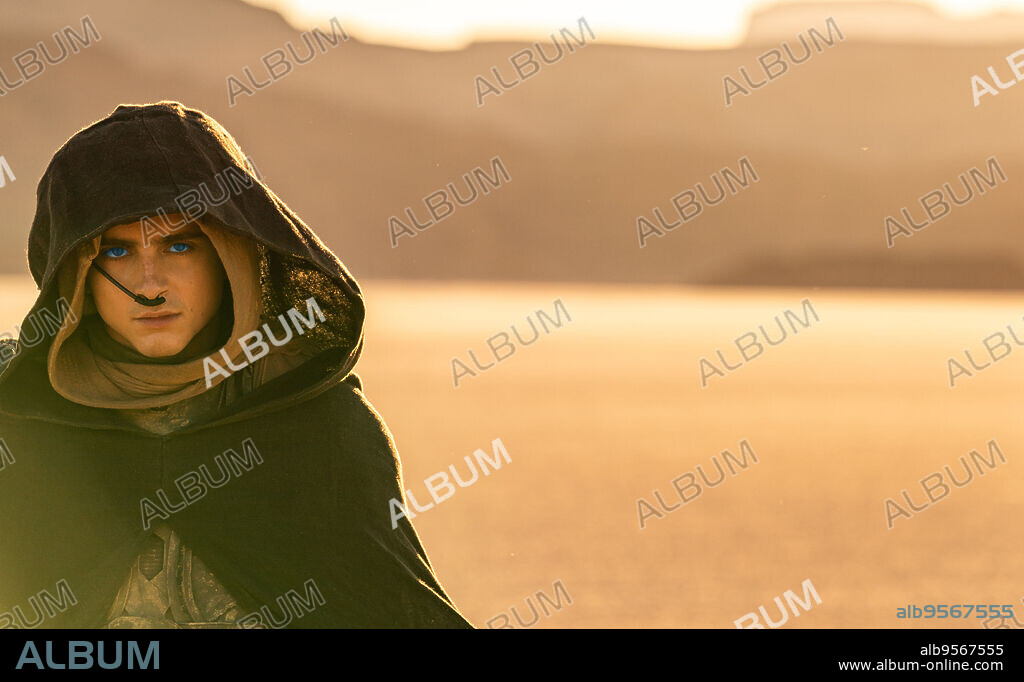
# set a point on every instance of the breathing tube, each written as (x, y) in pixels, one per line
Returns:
(139, 298)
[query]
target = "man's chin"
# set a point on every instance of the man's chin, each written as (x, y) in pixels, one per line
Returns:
(160, 348)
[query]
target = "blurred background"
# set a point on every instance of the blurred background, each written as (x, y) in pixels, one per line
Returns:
(609, 407)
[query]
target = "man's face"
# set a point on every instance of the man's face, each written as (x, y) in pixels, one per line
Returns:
(183, 267)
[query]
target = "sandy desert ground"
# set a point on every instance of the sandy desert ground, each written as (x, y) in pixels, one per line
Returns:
(609, 407)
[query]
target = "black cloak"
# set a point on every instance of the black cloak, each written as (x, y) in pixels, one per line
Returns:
(317, 507)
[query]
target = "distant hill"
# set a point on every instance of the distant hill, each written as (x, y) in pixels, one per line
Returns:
(592, 142)
(884, 21)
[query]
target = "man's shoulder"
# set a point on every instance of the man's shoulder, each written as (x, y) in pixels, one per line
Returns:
(359, 416)
(348, 395)
(346, 404)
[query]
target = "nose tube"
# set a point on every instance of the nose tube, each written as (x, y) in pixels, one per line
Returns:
(139, 298)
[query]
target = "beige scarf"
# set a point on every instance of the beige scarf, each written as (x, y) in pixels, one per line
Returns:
(87, 378)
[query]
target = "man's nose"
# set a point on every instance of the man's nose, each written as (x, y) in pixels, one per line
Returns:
(152, 278)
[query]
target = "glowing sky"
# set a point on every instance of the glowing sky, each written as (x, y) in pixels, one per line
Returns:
(450, 24)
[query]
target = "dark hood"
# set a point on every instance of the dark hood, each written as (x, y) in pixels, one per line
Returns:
(144, 159)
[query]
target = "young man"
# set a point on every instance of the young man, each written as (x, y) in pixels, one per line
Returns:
(183, 440)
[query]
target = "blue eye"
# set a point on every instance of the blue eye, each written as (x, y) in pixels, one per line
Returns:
(183, 249)
(115, 252)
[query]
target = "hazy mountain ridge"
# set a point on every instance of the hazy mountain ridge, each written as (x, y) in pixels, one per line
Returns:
(363, 131)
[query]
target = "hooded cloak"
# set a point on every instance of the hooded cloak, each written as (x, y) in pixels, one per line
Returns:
(308, 500)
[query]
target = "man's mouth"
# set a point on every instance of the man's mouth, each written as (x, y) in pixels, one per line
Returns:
(158, 319)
